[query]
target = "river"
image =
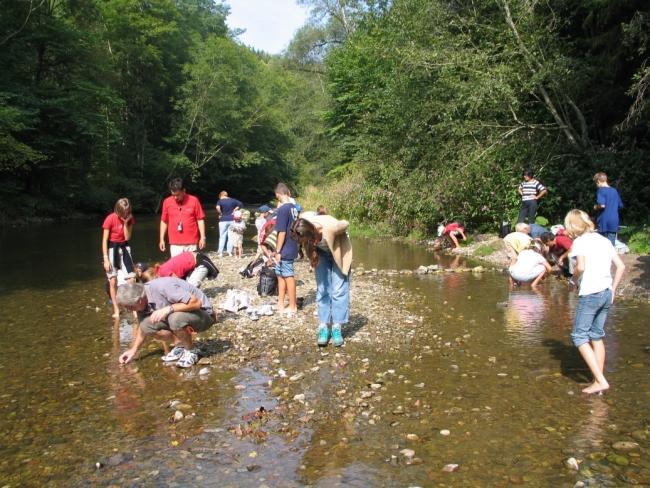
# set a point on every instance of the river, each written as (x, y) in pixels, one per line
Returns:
(493, 371)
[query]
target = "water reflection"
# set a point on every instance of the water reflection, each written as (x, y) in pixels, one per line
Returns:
(525, 316)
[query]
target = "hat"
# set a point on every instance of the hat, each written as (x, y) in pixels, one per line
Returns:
(264, 208)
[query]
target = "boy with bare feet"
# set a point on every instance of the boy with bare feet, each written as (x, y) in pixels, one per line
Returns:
(286, 250)
(594, 257)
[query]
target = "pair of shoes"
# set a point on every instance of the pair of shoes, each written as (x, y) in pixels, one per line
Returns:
(174, 355)
(188, 359)
(265, 310)
(337, 337)
(323, 335)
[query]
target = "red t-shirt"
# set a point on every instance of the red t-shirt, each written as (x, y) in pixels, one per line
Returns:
(449, 228)
(178, 266)
(562, 243)
(115, 226)
(188, 213)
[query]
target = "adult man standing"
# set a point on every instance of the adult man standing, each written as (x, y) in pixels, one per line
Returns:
(169, 309)
(531, 192)
(608, 203)
(286, 249)
(183, 220)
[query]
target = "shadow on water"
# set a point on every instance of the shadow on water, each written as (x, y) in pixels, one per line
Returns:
(571, 364)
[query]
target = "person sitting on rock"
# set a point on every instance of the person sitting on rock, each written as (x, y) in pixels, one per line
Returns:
(517, 241)
(169, 310)
(530, 266)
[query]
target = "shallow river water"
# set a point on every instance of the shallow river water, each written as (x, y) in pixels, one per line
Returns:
(492, 384)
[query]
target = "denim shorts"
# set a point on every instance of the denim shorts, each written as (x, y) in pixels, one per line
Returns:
(284, 269)
(591, 313)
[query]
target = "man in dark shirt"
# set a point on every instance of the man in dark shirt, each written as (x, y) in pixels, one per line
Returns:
(286, 250)
(226, 206)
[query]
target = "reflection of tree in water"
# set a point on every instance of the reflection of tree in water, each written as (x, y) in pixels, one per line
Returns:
(525, 315)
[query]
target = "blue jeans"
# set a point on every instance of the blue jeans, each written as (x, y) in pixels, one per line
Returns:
(224, 243)
(611, 236)
(591, 312)
(332, 291)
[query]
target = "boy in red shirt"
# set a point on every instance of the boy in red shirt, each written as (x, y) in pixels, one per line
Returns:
(559, 246)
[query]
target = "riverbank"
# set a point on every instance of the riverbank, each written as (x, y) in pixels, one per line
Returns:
(489, 249)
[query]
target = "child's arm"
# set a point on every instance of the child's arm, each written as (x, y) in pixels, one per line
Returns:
(620, 268)
(128, 227)
(107, 264)
(462, 233)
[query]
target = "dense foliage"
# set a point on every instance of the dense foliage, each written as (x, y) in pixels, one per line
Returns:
(437, 107)
(399, 114)
(107, 98)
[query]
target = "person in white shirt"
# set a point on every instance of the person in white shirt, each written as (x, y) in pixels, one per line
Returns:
(594, 256)
(530, 266)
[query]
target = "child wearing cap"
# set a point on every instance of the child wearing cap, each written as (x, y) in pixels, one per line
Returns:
(236, 234)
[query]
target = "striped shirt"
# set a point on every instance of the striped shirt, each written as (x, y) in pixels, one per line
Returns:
(530, 189)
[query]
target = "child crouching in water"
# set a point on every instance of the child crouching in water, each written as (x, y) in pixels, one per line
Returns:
(236, 234)
(594, 257)
(530, 265)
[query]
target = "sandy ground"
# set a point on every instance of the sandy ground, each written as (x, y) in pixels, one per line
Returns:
(634, 286)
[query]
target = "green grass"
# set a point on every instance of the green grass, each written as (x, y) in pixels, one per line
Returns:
(637, 238)
(485, 250)
(365, 230)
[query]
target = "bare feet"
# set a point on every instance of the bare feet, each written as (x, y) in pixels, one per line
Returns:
(596, 387)
(116, 313)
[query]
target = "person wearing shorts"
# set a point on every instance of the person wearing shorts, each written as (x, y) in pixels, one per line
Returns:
(286, 250)
(594, 256)
(170, 310)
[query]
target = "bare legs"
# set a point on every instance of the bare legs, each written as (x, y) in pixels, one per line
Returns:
(287, 286)
(594, 355)
(112, 291)
(538, 279)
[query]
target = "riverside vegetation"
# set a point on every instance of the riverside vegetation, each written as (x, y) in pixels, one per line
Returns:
(401, 114)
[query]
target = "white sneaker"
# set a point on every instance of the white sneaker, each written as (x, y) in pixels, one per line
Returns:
(174, 355)
(188, 359)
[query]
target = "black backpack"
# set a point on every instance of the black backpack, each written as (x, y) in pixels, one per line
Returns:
(268, 284)
(253, 268)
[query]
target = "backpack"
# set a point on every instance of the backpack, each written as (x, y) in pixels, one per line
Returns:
(252, 269)
(268, 284)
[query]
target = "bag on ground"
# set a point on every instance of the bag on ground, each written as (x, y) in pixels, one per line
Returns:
(268, 284)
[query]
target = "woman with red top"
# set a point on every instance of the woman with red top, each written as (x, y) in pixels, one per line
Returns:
(118, 227)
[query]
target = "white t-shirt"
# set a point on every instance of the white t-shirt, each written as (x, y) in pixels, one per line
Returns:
(598, 253)
(527, 261)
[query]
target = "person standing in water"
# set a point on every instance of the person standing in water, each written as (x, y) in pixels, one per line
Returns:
(594, 257)
(117, 229)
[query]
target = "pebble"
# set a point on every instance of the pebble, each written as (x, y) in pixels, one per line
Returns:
(204, 371)
(297, 377)
(300, 397)
(445, 432)
(450, 468)
(618, 459)
(572, 463)
(412, 437)
(178, 416)
(407, 453)
(625, 446)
